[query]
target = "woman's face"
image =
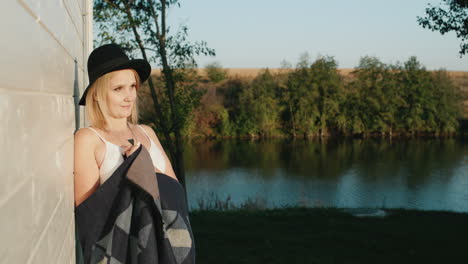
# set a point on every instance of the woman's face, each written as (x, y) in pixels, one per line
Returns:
(121, 94)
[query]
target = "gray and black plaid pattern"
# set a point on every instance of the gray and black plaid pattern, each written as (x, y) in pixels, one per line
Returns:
(123, 223)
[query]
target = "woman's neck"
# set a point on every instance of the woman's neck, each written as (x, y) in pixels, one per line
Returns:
(116, 125)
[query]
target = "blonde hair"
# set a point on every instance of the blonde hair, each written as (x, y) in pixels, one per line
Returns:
(96, 101)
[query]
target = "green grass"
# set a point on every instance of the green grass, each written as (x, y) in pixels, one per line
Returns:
(305, 235)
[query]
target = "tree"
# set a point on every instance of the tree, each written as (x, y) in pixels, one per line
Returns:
(328, 82)
(231, 92)
(263, 109)
(448, 104)
(140, 25)
(379, 96)
(453, 16)
(215, 72)
(298, 100)
(419, 92)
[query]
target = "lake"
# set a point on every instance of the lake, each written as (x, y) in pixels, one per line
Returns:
(428, 174)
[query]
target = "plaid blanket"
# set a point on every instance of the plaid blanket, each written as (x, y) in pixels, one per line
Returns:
(125, 220)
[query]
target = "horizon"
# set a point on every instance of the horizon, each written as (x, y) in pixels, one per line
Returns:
(153, 69)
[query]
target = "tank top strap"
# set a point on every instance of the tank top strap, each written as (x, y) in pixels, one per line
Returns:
(92, 129)
(145, 132)
(157, 156)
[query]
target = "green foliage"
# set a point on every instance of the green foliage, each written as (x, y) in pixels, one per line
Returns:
(311, 97)
(448, 103)
(260, 105)
(452, 16)
(225, 127)
(251, 108)
(215, 72)
(406, 99)
(297, 99)
(315, 100)
(377, 97)
(112, 23)
(328, 82)
(233, 119)
(417, 91)
(187, 99)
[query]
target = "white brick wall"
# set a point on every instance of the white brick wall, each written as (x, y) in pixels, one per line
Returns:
(40, 42)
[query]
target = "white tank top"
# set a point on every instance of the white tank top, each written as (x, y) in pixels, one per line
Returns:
(113, 157)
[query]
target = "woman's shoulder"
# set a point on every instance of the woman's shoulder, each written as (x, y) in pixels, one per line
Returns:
(86, 136)
(148, 130)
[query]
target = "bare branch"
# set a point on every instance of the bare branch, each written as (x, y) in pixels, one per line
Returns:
(155, 18)
(114, 5)
(150, 49)
(163, 19)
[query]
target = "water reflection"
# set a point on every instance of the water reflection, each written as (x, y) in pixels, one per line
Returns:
(427, 174)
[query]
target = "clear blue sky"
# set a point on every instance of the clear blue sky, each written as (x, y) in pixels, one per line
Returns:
(262, 33)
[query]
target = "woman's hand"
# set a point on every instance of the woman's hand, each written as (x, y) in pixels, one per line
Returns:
(129, 149)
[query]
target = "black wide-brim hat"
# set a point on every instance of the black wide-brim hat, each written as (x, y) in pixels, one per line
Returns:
(109, 58)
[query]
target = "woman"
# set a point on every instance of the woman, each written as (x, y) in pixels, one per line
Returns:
(106, 153)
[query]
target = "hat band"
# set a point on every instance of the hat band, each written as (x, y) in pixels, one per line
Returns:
(106, 67)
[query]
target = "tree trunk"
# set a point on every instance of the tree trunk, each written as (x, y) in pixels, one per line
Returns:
(176, 152)
(167, 71)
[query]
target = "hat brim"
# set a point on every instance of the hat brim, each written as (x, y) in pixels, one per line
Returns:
(142, 67)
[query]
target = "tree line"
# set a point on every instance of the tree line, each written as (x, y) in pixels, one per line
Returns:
(315, 100)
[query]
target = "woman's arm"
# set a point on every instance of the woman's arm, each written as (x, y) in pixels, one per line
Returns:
(86, 170)
(152, 134)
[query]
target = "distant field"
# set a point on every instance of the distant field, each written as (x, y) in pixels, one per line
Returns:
(459, 77)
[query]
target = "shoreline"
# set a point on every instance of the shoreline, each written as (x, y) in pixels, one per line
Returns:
(349, 211)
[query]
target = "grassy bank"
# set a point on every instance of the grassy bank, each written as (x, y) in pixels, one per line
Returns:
(304, 235)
